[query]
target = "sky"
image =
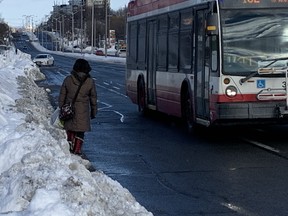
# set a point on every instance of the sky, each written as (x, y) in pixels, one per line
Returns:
(14, 12)
(38, 175)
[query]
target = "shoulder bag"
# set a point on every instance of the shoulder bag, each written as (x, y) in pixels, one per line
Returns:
(67, 110)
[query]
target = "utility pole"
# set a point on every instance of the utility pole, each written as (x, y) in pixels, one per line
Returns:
(32, 24)
(106, 24)
(92, 28)
(60, 30)
(74, 10)
(46, 25)
(81, 43)
(63, 32)
(72, 32)
(56, 31)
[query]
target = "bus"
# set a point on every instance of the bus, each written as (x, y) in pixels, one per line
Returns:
(209, 62)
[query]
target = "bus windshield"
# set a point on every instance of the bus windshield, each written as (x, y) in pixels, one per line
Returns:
(251, 38)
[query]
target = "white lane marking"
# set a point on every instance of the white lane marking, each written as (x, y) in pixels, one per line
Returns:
(106, 109)
(108, 84)
(269, 148)
(121, 115)
(109, 89)
(109, 105)
(238, 209)
(120, 84)
(117, 88)
(103, 108)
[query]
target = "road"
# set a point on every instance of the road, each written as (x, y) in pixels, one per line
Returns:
(223, 172)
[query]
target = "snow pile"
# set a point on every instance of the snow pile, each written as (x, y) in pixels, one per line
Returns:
(38, 174)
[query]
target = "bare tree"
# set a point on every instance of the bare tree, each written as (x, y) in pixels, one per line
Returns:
(4, 32)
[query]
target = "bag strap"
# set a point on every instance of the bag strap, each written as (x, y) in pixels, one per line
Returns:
(78, 89)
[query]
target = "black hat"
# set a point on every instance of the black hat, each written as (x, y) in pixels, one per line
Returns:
(81, 65)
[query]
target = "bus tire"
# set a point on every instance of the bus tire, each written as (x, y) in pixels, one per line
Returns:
(141, 98)
(187, 112)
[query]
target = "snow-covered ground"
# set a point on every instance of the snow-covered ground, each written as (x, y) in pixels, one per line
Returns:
(38, 175)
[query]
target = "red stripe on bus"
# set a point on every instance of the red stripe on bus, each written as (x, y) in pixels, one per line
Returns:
(238, 98)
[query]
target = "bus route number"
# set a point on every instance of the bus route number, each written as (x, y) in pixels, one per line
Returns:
(251, 1)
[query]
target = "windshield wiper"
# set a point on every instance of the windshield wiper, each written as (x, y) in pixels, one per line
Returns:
(266, 70)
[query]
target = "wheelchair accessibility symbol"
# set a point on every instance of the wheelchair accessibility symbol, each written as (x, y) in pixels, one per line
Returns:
(261, 83)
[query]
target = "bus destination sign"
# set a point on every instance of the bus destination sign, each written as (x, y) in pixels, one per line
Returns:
(233, 4)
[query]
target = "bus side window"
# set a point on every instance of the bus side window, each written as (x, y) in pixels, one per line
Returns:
(162, 43)
(185, 49)
(132, 49)
(141, 45)
(173, 42)
(214, 53)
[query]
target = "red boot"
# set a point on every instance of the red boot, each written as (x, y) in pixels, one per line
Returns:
(77, 146)
(70, 139)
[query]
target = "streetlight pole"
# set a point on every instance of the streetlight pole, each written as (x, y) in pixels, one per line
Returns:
(109, 28)
(42, 36)
(56, 44)
(106, 23)
(60, 30)
(81, 39)
(32, 24)
(92, 29)
(74, 10)
(73, 32)
(46, 25)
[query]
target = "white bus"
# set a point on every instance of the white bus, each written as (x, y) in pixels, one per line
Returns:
(210, 62)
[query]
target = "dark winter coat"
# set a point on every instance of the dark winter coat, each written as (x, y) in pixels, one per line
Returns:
(86, 102)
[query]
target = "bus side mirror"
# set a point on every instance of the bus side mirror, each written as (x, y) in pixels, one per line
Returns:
(212, 24)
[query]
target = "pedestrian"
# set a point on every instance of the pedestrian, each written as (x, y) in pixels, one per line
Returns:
(85, 105)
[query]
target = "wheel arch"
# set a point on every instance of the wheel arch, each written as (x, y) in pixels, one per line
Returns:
(187, 105)
(186, 88)
(141, 94)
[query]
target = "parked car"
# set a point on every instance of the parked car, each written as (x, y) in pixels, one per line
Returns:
(121, 53)
(100, 52)
(44, 60)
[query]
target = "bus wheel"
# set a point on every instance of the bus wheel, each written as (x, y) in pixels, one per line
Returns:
(141, 96)
(187, 112)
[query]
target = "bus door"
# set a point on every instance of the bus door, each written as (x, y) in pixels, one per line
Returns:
(202, 71)
(151, 64)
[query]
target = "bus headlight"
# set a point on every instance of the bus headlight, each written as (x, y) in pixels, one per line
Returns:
(231, 91)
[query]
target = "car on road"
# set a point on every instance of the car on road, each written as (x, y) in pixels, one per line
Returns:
(100, 52)
(121, 53)
(44, 60)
